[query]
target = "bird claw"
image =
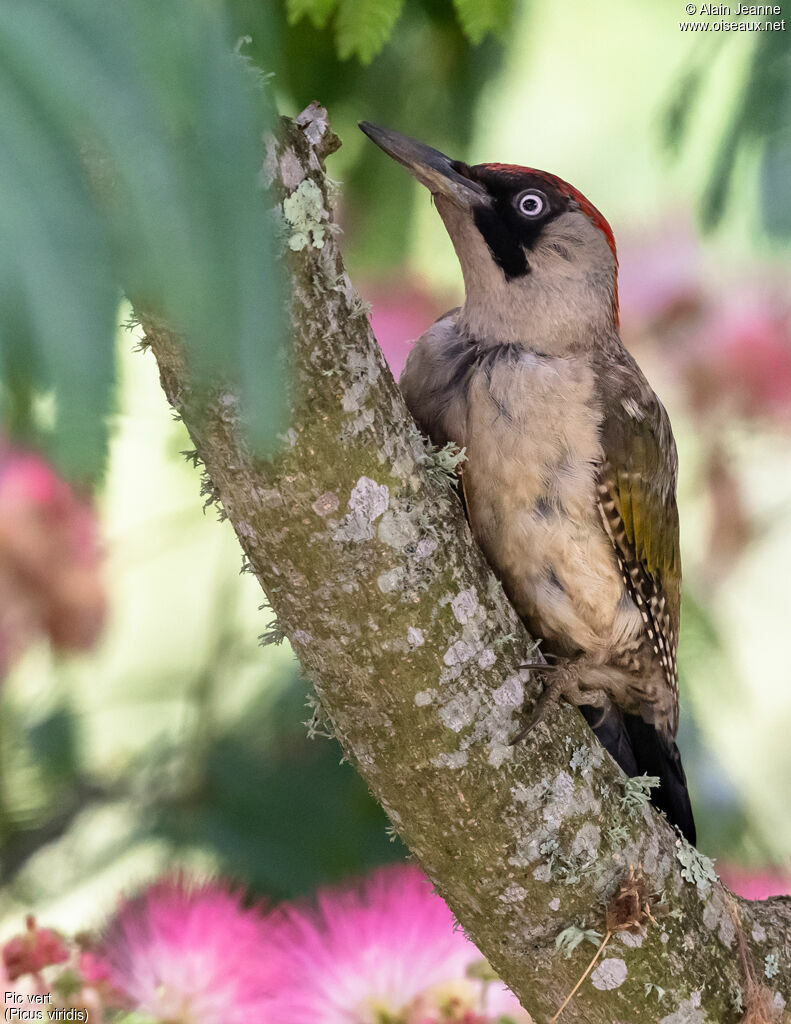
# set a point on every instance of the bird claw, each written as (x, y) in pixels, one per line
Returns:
(550, 662)
(556, 688)
(563, 682)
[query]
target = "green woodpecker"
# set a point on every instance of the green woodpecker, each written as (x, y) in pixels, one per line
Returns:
(570, 478)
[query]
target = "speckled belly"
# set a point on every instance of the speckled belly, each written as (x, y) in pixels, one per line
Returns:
(529, 483)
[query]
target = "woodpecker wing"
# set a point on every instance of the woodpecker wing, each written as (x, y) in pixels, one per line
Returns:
(637, 502)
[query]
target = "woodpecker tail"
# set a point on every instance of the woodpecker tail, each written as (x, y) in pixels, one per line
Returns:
(639, 749)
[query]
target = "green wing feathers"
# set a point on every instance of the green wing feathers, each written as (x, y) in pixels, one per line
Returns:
(638, 477)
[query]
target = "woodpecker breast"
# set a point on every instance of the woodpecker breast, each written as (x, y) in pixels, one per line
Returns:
(532, 423)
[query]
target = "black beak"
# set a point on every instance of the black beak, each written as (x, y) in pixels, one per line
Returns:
(431, 168)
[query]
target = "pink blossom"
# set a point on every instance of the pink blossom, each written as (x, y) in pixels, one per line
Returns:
(743, 349)
(386, 948)
(189, 953)
(49, 559)
(659, 277)
(756, 885)
(93, 970)
(32, 951)
(400, 313)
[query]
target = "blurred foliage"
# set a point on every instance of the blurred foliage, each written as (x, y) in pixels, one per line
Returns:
(179, 742)
(720, 809)
(129, 153)
(271, 806)
(276, 807)
(362, 27)
(760, 119)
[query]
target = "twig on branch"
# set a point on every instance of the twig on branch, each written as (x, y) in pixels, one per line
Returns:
(414, 652)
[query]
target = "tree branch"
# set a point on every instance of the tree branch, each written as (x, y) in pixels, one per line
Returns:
(362, 549)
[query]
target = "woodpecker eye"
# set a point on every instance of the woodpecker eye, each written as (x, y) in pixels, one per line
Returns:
(532, 203)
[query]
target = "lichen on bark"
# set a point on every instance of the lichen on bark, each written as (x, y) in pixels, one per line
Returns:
(415, 653)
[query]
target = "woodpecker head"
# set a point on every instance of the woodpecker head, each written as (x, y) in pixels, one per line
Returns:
(538, 259)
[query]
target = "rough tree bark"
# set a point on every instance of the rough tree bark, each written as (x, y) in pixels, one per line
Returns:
(363, 552)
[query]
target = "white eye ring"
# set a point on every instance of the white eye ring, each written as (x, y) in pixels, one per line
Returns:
(532, 203)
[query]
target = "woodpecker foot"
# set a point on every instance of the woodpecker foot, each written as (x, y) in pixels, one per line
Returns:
(551, 661)
(562, 681)
(541, 666)
(553, 691)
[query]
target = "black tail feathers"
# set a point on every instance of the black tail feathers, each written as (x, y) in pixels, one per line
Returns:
(639, 749)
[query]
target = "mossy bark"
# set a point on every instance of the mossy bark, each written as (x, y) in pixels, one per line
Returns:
(364, 554)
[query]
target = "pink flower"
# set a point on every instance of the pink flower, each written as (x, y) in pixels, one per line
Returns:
(93, 970)
(384, 949)
(49, 559)
(400, 313)
(756, 885)
(659, 277)
(32, 951)
(189, 954)
(744, 351)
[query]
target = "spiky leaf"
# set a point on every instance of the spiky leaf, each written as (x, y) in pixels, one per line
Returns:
(318, 11)
(480, 17)
(362, 27)
(129, 155)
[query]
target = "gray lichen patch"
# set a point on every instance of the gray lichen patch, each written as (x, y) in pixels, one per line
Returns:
(530, 797)
(717, 915)
(511, 694)
(559, 800)
(459, 712)
(367, 502)
(499, 753)
(399, 528)
(513, 894)
(696, 867)
(415, 636)
(306, 216)
(425, 548)
(582, 760)
(758, 933)
(688, 1012)
(465, 605)
(611, 973)
(454, 759)
(362, 371)
(771, 965)
(585, 845)
(632, 940)
(269, 497)
(369, 499)
(487, 658)
(458, 653)
(392, 580)
(354, 397)
(292, 173)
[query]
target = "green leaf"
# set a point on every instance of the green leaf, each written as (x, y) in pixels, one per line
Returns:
(129, 141)
(478, 18)
(362, 27)
(676, 116)
(318, 11)
(572, 936)
(57, 296)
